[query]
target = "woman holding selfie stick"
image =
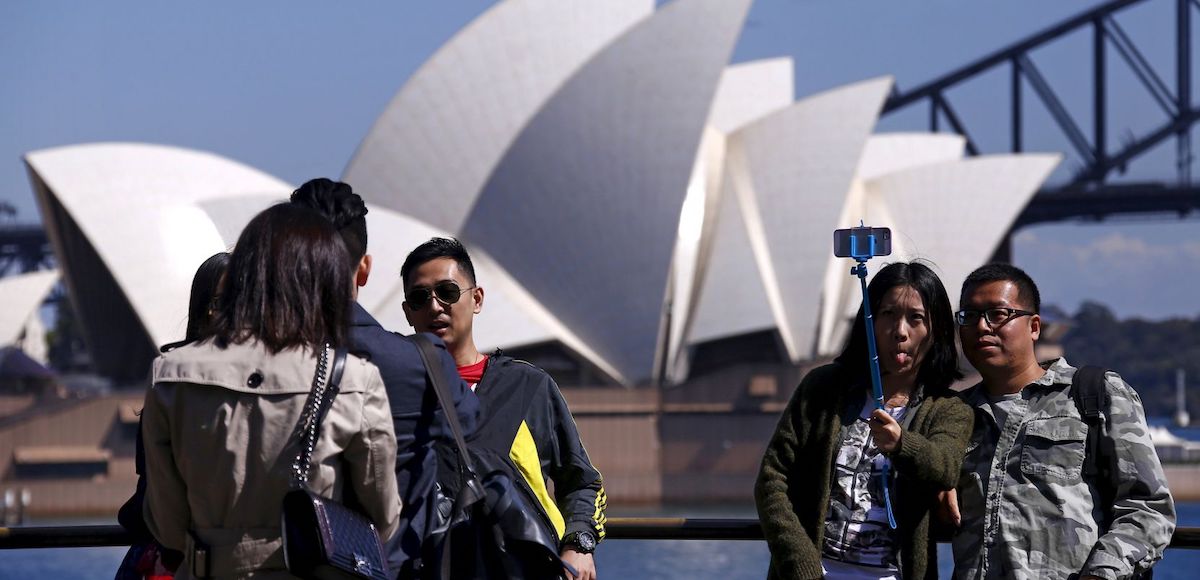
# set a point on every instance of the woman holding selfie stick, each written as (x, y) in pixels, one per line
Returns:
(820, 490)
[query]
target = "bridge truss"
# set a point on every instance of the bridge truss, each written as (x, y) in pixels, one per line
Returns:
(1089, 194)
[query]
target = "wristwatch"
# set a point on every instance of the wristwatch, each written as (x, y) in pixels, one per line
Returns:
(583, 542)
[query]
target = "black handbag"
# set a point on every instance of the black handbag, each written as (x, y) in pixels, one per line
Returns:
(323, 539)
(493, 528)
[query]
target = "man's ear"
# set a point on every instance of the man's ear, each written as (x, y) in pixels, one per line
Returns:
(1035, 326)
(364, 271)
(408, 313)
(477, 296)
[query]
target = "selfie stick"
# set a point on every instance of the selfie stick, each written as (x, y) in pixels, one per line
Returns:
(876, 381)
(861, 255)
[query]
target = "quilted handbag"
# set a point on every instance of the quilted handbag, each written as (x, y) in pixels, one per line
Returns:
(323, 539)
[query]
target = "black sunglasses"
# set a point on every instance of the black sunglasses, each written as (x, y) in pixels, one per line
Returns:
(446, 293)
(994, 317)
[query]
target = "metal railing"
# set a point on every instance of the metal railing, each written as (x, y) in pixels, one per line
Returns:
(617, 529)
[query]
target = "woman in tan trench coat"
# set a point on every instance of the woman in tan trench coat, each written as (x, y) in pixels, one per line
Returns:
(220, 419)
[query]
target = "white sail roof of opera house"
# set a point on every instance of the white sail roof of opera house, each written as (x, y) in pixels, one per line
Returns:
(123, 219)
(450, 124)
(890, 152)
(746, 92)
(950, 214)
(736, 292)
(22, 297)
(750, 90)
(181, 206)
(596, 180)
(955, 214)
(790, 172)
(883, 154)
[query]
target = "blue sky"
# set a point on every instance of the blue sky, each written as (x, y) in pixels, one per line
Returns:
(291, 87)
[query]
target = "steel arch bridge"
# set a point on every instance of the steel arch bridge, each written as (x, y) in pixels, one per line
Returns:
(1089, 194)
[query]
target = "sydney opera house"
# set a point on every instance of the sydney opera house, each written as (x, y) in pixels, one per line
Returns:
(642, 213)
(632, 198)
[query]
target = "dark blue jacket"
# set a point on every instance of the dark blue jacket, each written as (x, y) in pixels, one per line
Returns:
(417, 417)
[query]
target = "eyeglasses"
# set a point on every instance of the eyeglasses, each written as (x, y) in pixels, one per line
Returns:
(446, 293)
(993, 316)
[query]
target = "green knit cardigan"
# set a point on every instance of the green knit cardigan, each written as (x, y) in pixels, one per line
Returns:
(792, 490)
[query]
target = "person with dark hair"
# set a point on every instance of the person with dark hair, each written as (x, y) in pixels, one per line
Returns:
(418, 420)
(220, 419)
(1030, 505)
(339, 204)
(146, 557)
(820, 491)
(202, 301)
(525, 416)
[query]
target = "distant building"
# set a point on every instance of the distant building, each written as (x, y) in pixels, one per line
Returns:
(20, 323)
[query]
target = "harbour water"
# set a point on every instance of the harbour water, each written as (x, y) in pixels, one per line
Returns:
(616, 559)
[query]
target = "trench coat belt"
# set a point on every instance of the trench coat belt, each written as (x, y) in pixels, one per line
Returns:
(232, 551)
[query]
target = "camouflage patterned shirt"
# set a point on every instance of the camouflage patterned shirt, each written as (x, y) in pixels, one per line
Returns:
(1040, 519)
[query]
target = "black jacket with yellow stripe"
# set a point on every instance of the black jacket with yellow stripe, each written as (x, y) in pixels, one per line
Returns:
(524, 414)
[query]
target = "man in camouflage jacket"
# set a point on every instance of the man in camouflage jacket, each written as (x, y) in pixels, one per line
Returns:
(1027, 511)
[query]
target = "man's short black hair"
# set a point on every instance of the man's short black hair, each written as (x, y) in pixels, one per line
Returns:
(338, 202)
(1027, 290)
(438, 248)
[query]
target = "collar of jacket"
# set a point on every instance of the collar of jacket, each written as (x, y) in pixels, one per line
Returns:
(1056, 378)
(360, 317)
(245, 368)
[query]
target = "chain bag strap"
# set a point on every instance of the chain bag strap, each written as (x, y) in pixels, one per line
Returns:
(323, 539)
(310, 421)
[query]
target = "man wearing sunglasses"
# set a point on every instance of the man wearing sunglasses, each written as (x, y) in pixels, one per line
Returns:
(524, 414)
(418, 422)
(1029, 506)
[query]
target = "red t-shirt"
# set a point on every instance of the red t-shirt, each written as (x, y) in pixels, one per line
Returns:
(472, 374)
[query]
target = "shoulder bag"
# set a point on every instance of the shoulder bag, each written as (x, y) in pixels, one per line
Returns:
(493, 529)
(323, 539)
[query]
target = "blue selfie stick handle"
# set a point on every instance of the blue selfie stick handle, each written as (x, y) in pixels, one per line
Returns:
(876, 380)
(860, 270)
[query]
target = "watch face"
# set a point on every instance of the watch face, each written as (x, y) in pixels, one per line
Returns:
(587, 541)
(584, 541)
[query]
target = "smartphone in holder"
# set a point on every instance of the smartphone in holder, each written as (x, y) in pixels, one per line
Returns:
(862, 242)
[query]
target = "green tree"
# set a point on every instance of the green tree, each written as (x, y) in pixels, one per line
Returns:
(1146, 354)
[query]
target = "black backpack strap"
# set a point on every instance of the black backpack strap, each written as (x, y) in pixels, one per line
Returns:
(1090, 392)
(1089, 389)
(433, 370)
(471, 491)
(1091, 399)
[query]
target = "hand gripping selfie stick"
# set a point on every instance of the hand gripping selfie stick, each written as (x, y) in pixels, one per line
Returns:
(863, 243)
